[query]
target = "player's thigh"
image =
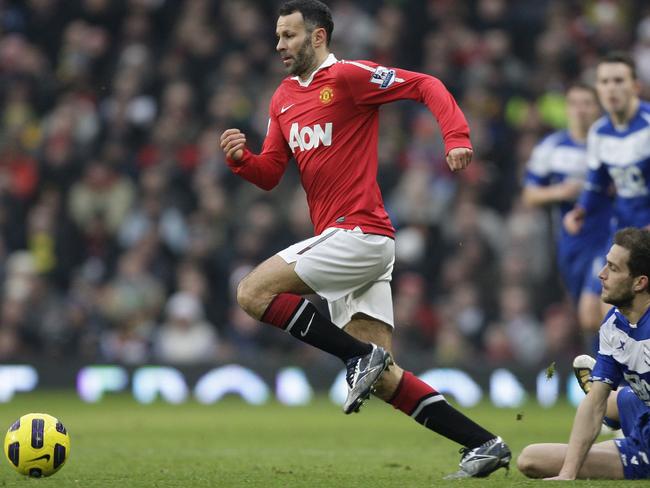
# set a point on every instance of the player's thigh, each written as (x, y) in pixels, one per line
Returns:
(270, 278)
(373, 300)
(342, 262)
(280, 273)
(603, 461)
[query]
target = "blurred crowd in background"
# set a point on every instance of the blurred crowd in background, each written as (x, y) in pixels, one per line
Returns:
(123, 234)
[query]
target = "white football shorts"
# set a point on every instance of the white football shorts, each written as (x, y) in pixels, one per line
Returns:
(348, 268)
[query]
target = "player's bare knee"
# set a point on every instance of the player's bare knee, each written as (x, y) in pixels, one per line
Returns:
(250, 298)
(527, 462)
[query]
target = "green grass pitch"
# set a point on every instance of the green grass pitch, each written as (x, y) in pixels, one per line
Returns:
(118, 442)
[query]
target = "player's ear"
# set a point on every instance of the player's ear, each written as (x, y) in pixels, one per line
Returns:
(319, 37)
(642, 284)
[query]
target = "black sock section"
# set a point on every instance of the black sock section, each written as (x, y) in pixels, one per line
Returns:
(309, 325)
(441, 417)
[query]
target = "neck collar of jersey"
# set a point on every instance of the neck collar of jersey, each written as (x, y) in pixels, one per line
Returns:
(622, 317)
(329, 61)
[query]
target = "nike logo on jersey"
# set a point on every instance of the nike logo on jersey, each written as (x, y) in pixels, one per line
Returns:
(303, 333)
(307, 138)
(284, 109)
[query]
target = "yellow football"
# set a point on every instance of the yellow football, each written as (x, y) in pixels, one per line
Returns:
(37, 444)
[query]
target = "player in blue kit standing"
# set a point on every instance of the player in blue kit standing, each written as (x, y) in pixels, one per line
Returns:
(624, 355)
(555, 175)
(618, 151)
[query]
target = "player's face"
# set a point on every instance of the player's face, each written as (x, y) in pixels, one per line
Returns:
(616, 87)
(618, 284)
(294, 44)
(582, 107)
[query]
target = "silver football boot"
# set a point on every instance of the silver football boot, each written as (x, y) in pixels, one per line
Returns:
(483, 460)
(362, 374)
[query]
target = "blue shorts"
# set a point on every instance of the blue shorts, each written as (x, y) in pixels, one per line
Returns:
(576, 268)
(634, 448)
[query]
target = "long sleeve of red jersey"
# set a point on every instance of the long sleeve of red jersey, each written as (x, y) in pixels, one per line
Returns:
(266, 169)
(372, 85)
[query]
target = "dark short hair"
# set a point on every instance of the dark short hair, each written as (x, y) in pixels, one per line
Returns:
(315, 14)
(620, 57)
(637, 242)
(581, 85)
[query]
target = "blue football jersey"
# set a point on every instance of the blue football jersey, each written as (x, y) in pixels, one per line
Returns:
(624, 353)
(555, 159)
(620, 154)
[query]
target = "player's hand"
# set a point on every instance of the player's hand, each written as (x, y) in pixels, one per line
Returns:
(574, 220)
(559, 478)
(459, 158)
(233, 142)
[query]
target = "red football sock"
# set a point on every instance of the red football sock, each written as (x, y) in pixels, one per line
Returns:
(302, 320)
(281, 309)
(428, 407)
(413, 393)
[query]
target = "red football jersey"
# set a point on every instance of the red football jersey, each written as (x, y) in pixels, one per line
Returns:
(329, 124)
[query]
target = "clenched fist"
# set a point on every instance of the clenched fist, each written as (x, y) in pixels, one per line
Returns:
(459, 158)
(232, 143)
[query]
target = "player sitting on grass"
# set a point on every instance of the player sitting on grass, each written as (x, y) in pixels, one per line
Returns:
(624, 354)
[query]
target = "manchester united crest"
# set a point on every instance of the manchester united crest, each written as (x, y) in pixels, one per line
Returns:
(326, 95)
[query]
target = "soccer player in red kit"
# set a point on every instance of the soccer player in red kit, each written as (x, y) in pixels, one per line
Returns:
(325, 116)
